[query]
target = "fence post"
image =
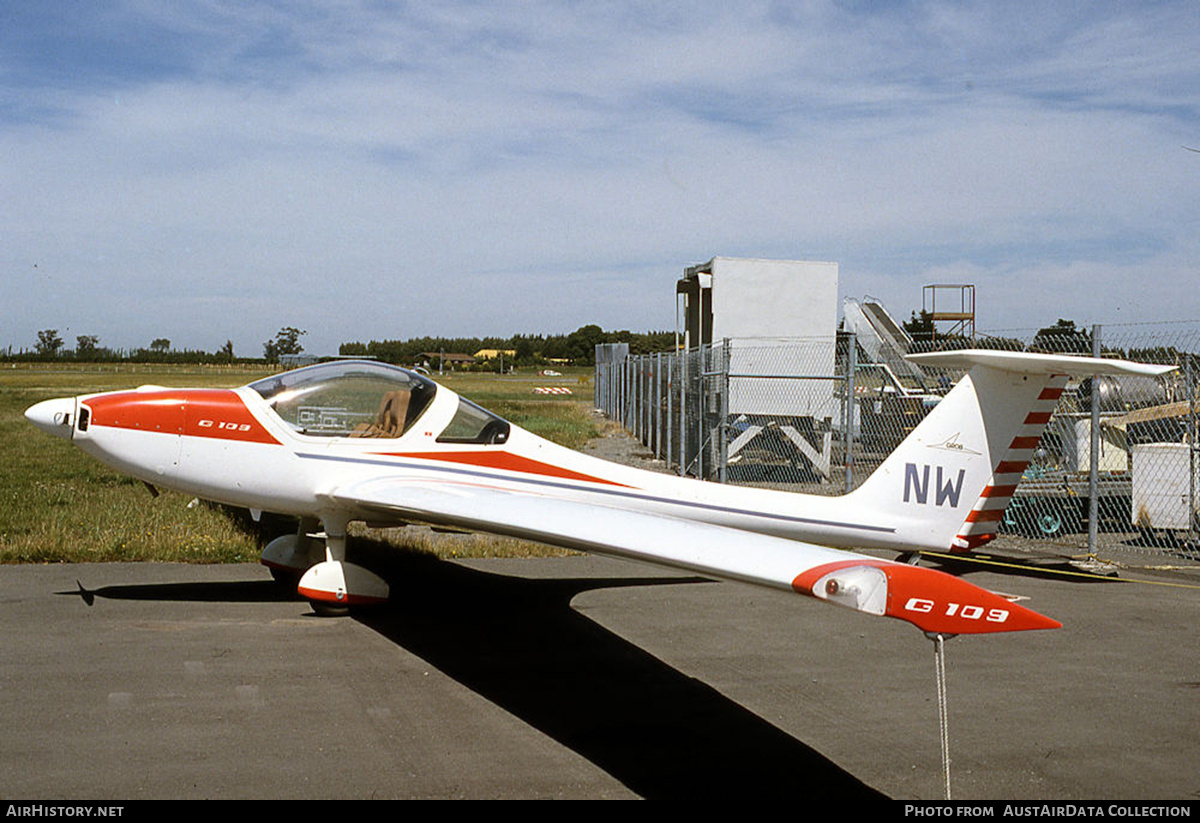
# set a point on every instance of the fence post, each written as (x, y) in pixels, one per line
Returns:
(701, 366)
(644, 391)
(669, 419)
(1191, 440)
(630, 398)
(648, 419)
(643, 402)
(683, 413)
(723, 414)
(655, 374)
(636, 378)
(1094, 456)
(851, 368)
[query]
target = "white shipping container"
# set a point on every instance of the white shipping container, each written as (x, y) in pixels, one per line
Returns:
(1161, 487)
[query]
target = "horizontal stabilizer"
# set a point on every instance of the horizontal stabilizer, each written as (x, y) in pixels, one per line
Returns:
(1036, 363)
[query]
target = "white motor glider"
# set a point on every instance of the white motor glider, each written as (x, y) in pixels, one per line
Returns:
(362, 441)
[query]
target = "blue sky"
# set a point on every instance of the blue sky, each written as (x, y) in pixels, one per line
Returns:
(205, 171)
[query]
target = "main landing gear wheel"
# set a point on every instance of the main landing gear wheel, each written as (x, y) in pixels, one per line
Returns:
(334, 586)
(326, 610)
(318, 571)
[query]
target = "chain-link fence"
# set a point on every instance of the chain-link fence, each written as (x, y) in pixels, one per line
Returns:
(1116, 466)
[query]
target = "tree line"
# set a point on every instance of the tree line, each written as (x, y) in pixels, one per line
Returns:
(51, 347)
(577, 347)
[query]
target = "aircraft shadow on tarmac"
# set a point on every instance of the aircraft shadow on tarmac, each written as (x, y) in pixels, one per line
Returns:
(1046, 567)
(518, 643)
(242, 591)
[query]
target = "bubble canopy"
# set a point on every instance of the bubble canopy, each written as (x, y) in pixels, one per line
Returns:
(360, 398)
(348, 398)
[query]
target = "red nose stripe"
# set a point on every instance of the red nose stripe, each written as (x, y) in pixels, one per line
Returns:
(223, 415)
(157, 411)
(213, 413)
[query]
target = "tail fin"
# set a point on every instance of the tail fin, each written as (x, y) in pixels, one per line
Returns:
(947, 485)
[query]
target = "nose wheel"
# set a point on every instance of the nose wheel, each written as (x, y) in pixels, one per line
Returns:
(334, 586)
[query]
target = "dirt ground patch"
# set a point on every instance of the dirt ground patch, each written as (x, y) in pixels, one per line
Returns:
(616, 444)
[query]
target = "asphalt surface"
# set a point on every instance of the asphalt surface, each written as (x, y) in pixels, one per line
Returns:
(580, 677)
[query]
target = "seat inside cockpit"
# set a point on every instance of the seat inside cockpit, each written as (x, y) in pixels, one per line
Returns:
(392, 418)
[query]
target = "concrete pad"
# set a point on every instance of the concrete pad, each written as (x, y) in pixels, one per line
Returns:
(578, 677)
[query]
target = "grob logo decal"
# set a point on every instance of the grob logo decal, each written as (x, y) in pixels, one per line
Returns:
(951, 444)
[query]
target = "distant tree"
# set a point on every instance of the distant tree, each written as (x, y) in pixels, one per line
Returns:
(1168, 355)
(86, 346)
(49, 342)
(581, 344)
(987, 341)
(1062, 337)
(920, 327)
(226, 352)
(287, 341)
(529, 349)
(524, 349)
(160, 344)
(653, 342)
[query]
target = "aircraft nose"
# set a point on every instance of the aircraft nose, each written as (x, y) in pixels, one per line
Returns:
(56, 417)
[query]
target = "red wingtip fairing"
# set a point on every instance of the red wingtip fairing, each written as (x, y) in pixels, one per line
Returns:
(933, 601)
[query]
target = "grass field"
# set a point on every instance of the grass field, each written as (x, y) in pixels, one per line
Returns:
(59, 505)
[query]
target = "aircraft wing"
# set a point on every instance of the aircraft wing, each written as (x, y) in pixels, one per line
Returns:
(933, 601)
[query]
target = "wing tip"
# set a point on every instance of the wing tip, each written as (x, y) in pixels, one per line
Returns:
(933, 601)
